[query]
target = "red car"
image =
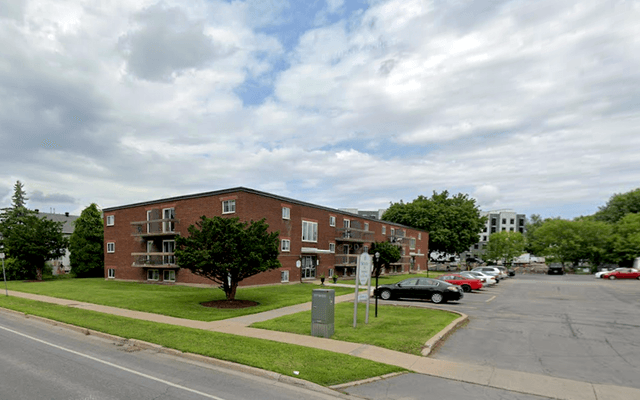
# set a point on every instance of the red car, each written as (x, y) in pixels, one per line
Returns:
(466, 284)
(622, 273)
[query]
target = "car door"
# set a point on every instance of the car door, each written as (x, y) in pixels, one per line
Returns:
(407, 288)
(425, 288)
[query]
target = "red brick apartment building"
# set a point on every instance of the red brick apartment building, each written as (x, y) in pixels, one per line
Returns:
(314, 240)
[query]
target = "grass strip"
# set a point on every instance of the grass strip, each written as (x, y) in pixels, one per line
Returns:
(396, 328)
(318, 366)
(171, 300)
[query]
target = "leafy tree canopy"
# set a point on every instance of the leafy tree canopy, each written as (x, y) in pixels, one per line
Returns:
(227, 251)
(453, 223)
(87, 244)
(505, 246)
(389, 254)
(19, 198)
(619, 205)
(626, 239)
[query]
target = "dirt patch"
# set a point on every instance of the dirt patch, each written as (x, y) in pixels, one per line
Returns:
(230, 304)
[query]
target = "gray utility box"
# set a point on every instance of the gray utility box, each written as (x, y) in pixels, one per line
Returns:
(322, 312)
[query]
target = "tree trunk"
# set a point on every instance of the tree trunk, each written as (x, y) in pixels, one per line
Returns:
(38, 274)
(231, 294)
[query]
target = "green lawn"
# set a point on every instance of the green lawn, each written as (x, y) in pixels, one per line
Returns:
(172, 300)
(319, 366)
(396, 328)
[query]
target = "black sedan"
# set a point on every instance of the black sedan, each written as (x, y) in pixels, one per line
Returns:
(420, 288)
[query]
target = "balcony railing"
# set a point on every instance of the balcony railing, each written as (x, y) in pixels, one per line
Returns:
(354, 235)
(155, 227)
(346, 260)
(156, 260)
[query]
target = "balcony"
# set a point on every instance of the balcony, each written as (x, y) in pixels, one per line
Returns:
(354, 235)
(155, 227)
(346, 260)
(154, 260)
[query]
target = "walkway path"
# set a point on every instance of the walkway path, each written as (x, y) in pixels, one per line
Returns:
(521, 382)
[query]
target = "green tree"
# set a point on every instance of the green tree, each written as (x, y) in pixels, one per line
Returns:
(31, 241)
(619, 205)
(227, 251)
(87, 244)
(532, 225)
(558, 239)
(505, 246)
(389, 254)
(594, 241)
(453, 223)
(19, 198)
(626, 240)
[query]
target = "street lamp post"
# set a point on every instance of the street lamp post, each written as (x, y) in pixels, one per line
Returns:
(377, 274)
(4, 275)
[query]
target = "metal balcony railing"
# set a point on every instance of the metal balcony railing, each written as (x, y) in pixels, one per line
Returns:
(354, 235)
(155, 227)
(156, 260)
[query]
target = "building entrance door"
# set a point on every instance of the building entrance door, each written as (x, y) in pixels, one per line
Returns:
(308, 268)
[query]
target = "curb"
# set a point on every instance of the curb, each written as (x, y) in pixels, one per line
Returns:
(443, 334)
(142, 345)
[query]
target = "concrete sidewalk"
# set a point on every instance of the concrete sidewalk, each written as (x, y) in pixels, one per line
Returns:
(521, 382)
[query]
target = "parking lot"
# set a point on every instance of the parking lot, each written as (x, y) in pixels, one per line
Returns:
(567, 326)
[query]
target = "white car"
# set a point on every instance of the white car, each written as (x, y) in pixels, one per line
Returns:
(600, 273)
(493, 271)
(487, 280)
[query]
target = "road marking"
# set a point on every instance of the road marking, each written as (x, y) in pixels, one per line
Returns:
(113, 365)
(490, 299)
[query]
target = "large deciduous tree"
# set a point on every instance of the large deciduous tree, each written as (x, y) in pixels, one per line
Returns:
(505, 246)
(619, 205)
(626, 240)
(388, 254)
(31, 241)
(227, 251)
(453, 223)
(87, 244)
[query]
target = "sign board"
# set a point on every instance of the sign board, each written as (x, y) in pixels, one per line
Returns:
(298, 264)
(364, 268)
(362, 296)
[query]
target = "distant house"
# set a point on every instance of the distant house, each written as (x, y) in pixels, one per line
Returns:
(62, 265)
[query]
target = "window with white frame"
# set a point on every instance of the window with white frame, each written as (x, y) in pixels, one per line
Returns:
(168, 247)
(332, 247)
(412, 244)
(169, 275)
(284, 276)
(285, 245)
(286, 213)
(170, 214)
(111, 220)
(153, 275)
(345, 223)
(111, 273)
(111, 247)
(332, 220)
(309, 231)
(393, 232)
(228, 206)
(419, 236)
(384, 230)
(366, 226)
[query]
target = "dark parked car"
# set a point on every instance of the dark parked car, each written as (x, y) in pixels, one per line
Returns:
(555, 270)
(420, 288)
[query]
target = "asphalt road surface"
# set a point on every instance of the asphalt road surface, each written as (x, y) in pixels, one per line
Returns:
(569, 326)
(40, 361)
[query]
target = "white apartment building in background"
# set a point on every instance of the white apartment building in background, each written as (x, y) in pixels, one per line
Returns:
(497, 221)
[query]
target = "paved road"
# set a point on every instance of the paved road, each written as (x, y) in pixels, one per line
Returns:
(570, 326)
(38, 361)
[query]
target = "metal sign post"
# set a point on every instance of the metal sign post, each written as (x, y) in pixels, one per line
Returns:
(363, 274)
(4, 276)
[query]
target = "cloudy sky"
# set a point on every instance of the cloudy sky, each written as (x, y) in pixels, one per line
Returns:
(527, 105)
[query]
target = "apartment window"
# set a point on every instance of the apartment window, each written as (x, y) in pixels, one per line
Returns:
(111, 247)
(511, 229)
(393, 232)
(332, 221)
(228, 206)
(484, 238)
(484, 229)
(504, 229)
(419, 236)
(512, 221)
(366, 226)
(168, 226)
(412, 244)
(475, 246)
(111, 220)
(332, 247)
(504, 220)
(521, 222)
(345, 223)
(309, 231)
(169, 276)
(284, 276)
(384, 230)
(153, 275)
(494, 221)
(285, 245)
(286, 213)
(493, 229)
(168, 246)
(111, 273)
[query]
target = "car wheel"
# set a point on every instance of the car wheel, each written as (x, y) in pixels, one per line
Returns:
(466, 288)
(612, 277)
(436, 298)
(385, 294)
